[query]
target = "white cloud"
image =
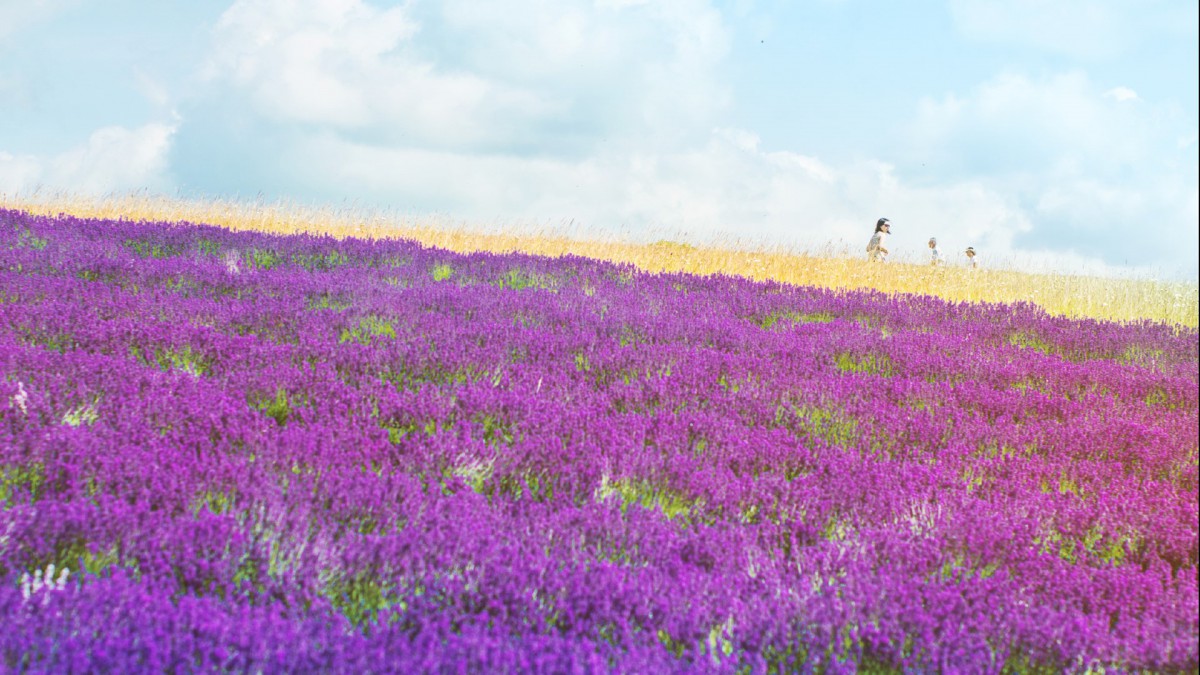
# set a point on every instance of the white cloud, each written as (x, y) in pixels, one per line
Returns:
(17, 15)
(1121, 94)
(112, 159)
(18, 173)
(650, 64)
(633, 87)
(482, 75)
(604, 112)
(728, 188)
(1019, 122)
(1085, 29)
(154, 91)
(1088, 169)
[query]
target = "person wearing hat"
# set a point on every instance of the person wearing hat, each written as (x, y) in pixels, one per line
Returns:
(935, 253)
(877, 250)
(972, 258)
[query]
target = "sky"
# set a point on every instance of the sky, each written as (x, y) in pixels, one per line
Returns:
(1059, 135)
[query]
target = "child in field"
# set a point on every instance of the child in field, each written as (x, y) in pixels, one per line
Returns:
(972, 258)
(935, 253)
(877, 250)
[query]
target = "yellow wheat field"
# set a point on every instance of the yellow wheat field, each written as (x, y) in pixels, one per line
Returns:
(1071, 295)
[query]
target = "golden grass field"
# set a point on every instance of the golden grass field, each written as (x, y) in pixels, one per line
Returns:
(1118, 299)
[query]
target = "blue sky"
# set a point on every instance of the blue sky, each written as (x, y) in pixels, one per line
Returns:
(1056, 134)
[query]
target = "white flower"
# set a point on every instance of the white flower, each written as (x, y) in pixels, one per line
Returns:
(4, 537)
(21, 397)
(43, 582)
(231, 261)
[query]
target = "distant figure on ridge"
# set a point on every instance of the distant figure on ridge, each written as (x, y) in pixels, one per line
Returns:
(935, 253)
(877, 250)
(972, 258)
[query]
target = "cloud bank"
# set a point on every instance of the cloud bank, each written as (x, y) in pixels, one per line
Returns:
(112, 159)
(616, 115)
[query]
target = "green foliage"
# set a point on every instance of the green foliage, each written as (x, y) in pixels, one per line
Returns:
(631, 336)
(368, 327)
(622, 276)
(28, 478)
(216, 501)
(518, 280)
(180, 284)
(831, 426)
(54, 339)
(320, 261)
(81, 415)
(719, 638)
(74, 553)
(582, 364)
(1095, 547)
(398, 430)
(360, 597)
(793, 318)
(263, 259)
(94, 275)
(407, 378)
(538, 486)
(476, 474)
(91, 562)
(675, 647)
(327, 301)
(1020, 662)
(870, 364)
(1029, 383)
(870, 666)
(1159, 396)
(497, 430)
(27, 239)
(442, 272)
(1030, 340)
(791, 659)
(1142, 356)
(646, 494)
(185, 359)
(208, 247)
(836, 528)
(277, 407)
(958, 568)
(149, 249)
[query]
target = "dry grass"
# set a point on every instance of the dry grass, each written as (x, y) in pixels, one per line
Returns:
(1071, 295)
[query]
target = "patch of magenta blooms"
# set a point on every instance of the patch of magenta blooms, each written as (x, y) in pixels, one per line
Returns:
(255, 452)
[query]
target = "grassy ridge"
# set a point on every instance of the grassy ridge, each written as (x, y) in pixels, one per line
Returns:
(1069, 295)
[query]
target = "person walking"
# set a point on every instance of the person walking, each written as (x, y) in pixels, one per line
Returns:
(935, 253)
(972, 258)
(877, 250)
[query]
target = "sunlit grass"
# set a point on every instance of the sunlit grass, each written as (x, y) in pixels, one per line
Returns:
(1119, 299)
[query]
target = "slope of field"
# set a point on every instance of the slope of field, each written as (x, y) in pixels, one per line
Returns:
(239, 451)
(1078, 296)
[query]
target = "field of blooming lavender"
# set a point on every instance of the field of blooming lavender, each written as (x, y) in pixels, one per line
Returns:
(235, 451)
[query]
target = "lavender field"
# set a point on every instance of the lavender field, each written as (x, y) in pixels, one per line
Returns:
(237, 451)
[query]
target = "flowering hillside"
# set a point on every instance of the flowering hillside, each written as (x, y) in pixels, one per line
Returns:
(826, 265)
(238, 451)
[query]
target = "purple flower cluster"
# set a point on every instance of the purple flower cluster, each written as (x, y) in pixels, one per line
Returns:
(237, 451)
